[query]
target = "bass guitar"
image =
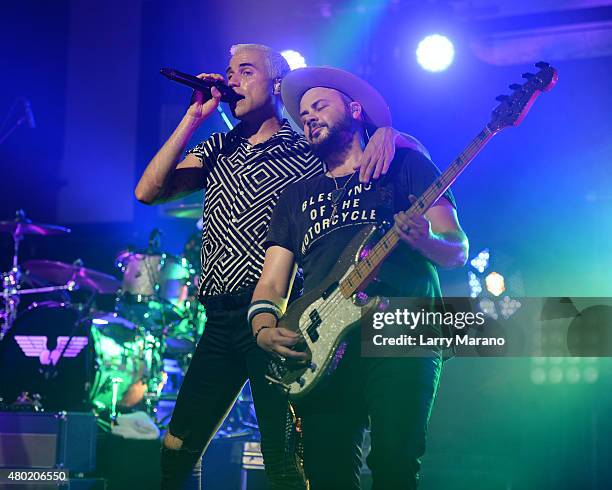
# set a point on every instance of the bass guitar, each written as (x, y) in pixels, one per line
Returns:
(326, 315)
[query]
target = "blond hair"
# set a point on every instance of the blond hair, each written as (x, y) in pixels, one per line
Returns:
(277, 64)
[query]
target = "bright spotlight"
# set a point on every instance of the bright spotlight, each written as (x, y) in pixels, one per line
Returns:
(435, 53)
(481, 261)
(509, 306)
(295, 59)
(495, 283)
(488, 308)
(475, 286)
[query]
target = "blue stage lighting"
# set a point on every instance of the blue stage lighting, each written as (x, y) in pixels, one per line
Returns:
(481, 261)
(487, 306)
(572, 370)
(475, 286)
(295, 59)
(435, 53)
(508, 306)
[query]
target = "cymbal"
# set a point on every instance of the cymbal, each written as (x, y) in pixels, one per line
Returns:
(61, 273)
(29, 228)
(187, 211)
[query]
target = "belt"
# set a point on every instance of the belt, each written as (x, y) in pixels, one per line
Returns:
(228, 301)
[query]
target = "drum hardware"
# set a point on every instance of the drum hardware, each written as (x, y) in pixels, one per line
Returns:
(63, 349)
(154, 288)
(115, 390)
(22, 225)
(241, 421)
(61, 273)
(154, 297)
(26, 403)
(26, 117)
(76, 357)
(73, 356)
(151, 276)
(128, 365)
(11, 296)
(45, 337)
(11, 281)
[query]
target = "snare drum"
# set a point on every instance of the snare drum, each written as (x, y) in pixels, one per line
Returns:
(154, 288)
(162, 277)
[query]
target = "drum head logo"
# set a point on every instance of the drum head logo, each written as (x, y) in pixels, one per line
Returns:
(36, 346)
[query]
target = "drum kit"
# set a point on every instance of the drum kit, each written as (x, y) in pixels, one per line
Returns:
(62, 351)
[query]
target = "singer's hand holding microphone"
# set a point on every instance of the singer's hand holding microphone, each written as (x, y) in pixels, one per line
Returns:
(210, 89)
(201, 106)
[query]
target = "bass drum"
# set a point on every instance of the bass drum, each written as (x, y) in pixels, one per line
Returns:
(49, 352)
(75, 363)
(127, 363)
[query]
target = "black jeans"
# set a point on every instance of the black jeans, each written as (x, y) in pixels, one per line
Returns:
(395, 395)
(225, 357)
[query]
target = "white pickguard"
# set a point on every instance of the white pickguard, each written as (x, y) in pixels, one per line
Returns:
(337, 315)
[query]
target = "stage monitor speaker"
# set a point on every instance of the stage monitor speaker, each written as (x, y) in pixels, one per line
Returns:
(48, 440)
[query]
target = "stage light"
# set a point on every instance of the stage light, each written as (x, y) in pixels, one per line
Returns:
(487, 306)
(481, 261)
(509, 306)
(475, 286)
(435, 53)
(570, 370)
(295, 59)
(538, 376)
(572, 375)
(555, 375)
(495, 283)
(591, 373)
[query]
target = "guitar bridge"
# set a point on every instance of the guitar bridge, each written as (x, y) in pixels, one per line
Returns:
(276, 371)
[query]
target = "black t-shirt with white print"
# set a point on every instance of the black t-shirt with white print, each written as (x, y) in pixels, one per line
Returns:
(301, 223)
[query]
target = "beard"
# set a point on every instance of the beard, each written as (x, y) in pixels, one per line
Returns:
(337, 139)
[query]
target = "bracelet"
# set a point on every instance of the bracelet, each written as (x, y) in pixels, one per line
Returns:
(263, 306)
(258, 331)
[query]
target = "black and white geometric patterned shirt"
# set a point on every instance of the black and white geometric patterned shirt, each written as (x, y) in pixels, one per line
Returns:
(242, 187)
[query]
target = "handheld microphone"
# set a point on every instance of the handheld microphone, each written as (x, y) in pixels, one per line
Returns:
(204, 86)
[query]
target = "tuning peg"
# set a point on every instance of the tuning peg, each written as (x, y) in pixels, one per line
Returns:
(528, 75)
(542, 64)
(515, 86)
(501, 98)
